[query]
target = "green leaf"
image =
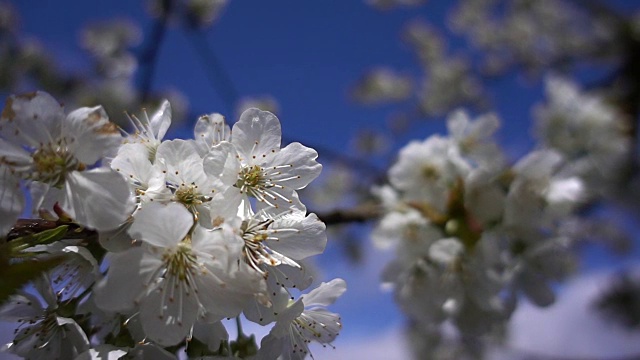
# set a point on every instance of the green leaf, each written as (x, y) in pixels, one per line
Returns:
(41, 238)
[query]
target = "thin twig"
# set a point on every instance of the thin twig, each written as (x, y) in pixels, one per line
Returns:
(217, 75)
(359, 214)
(149, 57)
(24, 227)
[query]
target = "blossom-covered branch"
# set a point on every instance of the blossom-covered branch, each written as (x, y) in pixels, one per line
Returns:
(190, 231)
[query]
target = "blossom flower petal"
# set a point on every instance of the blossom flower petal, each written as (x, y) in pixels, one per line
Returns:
(21, 306)
(161, 120)
(99, 198)
(209, 131)
(12, 201)
(304, 167)
(298, 237)
(221, 163)
(325, 294)
(31, 119)
(166, 321)
(176, 222)
(13, 155)
(123, 284)
(90, 135)
(256, 135)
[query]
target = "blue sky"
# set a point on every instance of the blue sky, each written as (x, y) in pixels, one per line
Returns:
(307, 54)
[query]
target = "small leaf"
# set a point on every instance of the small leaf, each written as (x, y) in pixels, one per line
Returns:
(244, 346)
(41, 238)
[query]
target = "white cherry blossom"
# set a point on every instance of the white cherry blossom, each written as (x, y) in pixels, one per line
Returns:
(262, 169)
(426, 171)
(55, 154)
(151, 131)
(300, 322)
(281, 239)
(175, 277)
(43, 333)
(209, 131)
(76, 273)
(590, 133)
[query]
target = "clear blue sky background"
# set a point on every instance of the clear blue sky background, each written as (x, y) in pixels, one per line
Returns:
(307, 54)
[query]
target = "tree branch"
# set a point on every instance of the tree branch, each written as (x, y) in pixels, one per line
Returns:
(148, 58)
(24, 227)
(217, 75)
(359, 214)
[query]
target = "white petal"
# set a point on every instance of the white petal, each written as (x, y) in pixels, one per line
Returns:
(289, 201)
(259, 312)
(99, 199)
(183, 164)
(304, 167)
(43, 285)
(43, 196)
(161, 225)
(224, 205)
(133, 163)
(221, 299)
(257, 133)
(222, 163)
(31, 119)
(325, 294)
(330, 328)
(75, 340)
(102, 352)
(165, 321)
(286, 317)
(161, 120)
(21, 306)
(116, 240)
(12, 155)
(90, 262)
(270, 347)
(457, 123)
(210, 334)
(538, 164)
(310, 238)
(12, 200)
(569, 190)
(124, 281)
(292, 276)
(210, 130)
(91, 136)
(445, 251)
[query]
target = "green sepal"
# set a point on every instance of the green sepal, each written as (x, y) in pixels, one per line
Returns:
(41, 238)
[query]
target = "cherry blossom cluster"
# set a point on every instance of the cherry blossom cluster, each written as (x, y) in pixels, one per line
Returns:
(190, 232)
(472, 232)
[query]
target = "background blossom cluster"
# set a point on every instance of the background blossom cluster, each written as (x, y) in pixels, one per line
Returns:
(472, 232)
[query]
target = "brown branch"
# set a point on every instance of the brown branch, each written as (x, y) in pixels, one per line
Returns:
(149, 57)
(24, 227)
(359, 214)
